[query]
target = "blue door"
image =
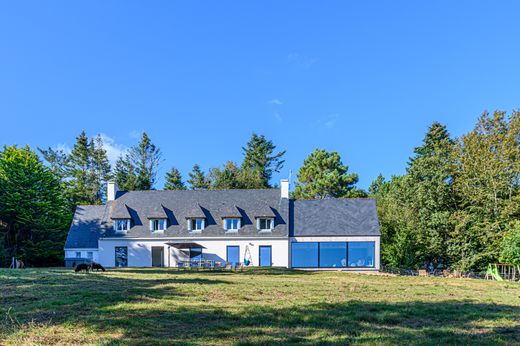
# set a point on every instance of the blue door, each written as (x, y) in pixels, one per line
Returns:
(233, 255)
(265, 256)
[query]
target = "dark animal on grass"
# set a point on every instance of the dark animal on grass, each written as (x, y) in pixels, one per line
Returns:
(97, 266)
(83, 266)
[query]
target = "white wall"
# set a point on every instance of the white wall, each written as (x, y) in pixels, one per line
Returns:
(71, 253)
(140, 250)
(377, 250)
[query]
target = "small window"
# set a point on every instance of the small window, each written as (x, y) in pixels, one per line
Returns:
(90, 255)
(265, 224)
(232, 224)
(122, 225)
(196, 224)
(78, 254)
(157, 225)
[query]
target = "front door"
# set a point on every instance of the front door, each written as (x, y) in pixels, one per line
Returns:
(157, 256)
(265, 256)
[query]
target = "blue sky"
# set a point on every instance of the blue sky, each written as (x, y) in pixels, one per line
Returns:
(362, 78)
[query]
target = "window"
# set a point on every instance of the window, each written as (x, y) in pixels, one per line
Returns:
(196, 224)
(264, 224)
(90, 255)
(121, 225)
(304, 255)
(78, 254)
(196, 253)
(361, 254)
(333, 254)
(121, 253)
(233, 254)
(232, 224)
(158, 224)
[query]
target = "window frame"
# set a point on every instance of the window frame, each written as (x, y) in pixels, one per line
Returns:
(193, 222)
(115, 256)
(346, 254)
(90, 255)
(77, 253)
(373, 254)
(265, 219)
(128, 224)
(153, 221)
(231, 220)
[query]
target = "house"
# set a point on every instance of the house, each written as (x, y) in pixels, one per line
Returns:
(265, 227)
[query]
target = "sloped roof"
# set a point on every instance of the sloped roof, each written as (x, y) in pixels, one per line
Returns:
(264, 211)
(87, 226)
(195, 212)
(120, 211)
(230, 211)
(334, 217)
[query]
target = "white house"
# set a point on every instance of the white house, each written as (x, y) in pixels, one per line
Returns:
(257, 227)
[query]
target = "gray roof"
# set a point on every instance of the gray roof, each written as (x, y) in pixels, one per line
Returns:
(121, 211)
(213, 205)
(87, 226)
(334, 217)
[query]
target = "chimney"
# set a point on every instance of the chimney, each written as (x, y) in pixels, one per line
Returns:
(112, 189)
(284, 188)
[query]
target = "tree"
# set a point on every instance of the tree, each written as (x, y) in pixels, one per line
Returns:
(431, 196)
(145, 158)
(226, 178)
(32, 207)
(57, 160)
(101, 171)
(197, 179)
(511, 245)
(174, 180)
(323, 175)
(82, 186)
(124, 173)
(261, 161)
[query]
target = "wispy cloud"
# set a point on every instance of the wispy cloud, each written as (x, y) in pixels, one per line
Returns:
(275, 102)
(278, 117)
(63, 147)
(328, 121)
(301, 61)
(135, 134)
(114, 150)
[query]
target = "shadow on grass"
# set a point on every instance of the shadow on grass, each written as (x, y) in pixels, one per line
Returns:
(102, 303)
(246, 270)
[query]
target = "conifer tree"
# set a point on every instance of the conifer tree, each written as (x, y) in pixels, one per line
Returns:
(145, 158)
(82, 187)
(124, 173)
(173, 180)
(198, 180)
(101, 171)
(260, 161)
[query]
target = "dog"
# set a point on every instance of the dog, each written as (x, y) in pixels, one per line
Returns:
(97, 266)
(83, 266)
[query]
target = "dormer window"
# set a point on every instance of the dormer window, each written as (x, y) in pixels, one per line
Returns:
(232, 224)
(158, 225)
(265, 224)
(121, 225)
(196, 224)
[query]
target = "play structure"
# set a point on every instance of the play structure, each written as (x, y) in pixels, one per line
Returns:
(247, 256)
(17, 264)
(501, 272)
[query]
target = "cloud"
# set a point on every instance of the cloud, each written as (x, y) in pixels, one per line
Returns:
(301, 61)
(328, 121)
(275, 102)
(114, 150)
(63, 147)
(135, 134)
(278, 117)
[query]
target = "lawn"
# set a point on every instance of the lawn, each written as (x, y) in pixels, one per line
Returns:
(163, 306)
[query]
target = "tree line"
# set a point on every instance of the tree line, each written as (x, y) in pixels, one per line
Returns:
(457, 205)
(39, 191)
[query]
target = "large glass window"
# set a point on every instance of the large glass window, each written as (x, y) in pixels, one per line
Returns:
(121, 256)
(233, 254)
(361, 254)
(304, 255)
(333, 254)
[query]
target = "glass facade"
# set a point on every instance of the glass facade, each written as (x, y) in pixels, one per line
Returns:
(361, 254)
(333, 254)
(304, 255)
(121, 253)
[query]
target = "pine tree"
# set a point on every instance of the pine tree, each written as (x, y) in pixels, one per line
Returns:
(82, 186)
(174, 180)
(323, 175)
(57, 160)
(260, 160)
(198, 180)
(101, 171)
(225, 178)
(145, 158)
(124, 173)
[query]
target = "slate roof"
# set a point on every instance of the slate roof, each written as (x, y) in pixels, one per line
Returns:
(213, 205)
(87, 226)
(334, 217)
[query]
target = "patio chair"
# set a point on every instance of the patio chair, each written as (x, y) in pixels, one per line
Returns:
(217, 266)
(206, 265)
(229, 266)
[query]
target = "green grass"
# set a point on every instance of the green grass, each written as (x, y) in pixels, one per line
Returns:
(162, 306)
